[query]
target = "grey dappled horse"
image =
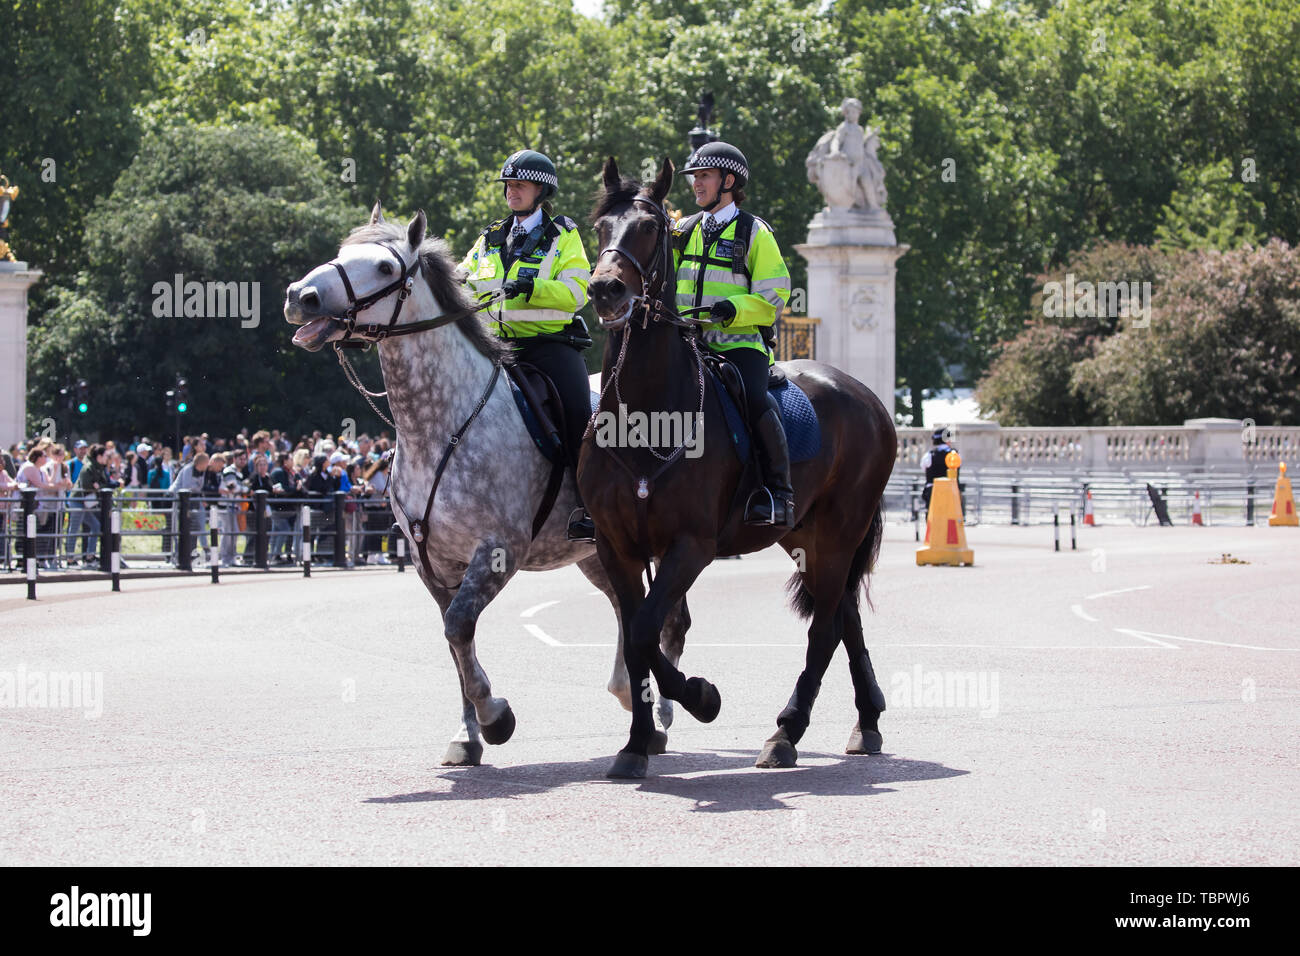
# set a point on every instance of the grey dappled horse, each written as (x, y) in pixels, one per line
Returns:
(479, 531)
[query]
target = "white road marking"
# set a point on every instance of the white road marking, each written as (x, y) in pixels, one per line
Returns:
(995, 647)
(1140, 587)
(1078, 609)
(537, 607)
(1147, 637)
(1199, 640)
(542, 636)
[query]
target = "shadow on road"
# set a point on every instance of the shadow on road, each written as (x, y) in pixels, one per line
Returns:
(715, 782)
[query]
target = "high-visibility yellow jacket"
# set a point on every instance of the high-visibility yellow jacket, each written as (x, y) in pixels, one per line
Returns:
(557, 265)
(706, 276)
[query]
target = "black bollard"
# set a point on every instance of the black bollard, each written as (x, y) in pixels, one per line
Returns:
(1250, 501)
(1056, 529)
(340, 530)
(115, 562)
(184, 532)
(214, 562)
(105, 530)
(1015, 504)
(261, 528)
(1073, 546)
(29, 541)
(306, 541)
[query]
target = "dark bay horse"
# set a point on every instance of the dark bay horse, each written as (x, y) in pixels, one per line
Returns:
(682, 510)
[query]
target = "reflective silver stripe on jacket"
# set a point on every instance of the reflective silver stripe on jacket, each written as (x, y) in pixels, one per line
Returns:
(720, 337)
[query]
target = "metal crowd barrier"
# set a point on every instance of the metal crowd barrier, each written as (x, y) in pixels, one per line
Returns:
(1025, 497)
(61, 533)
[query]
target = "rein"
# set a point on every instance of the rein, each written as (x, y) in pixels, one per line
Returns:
(367, 335)
(363, 336)
(650, 301)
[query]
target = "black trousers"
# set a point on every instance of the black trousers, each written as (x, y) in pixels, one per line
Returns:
(753, 370)
(565, 367)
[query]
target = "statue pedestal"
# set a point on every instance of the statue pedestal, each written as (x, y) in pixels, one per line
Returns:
(15, 280)
(851, 269)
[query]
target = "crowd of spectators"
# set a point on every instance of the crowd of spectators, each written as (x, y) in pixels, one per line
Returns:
(221, 472)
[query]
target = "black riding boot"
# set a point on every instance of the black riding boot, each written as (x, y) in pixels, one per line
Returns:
(581, 527)
(773, 505)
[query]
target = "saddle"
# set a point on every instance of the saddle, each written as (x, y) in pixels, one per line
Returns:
(539, 406)
(802, 429)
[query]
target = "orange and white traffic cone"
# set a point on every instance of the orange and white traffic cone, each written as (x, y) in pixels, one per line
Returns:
(948, 545)
(1283, 502)
(1087, 510)
(1196, 510)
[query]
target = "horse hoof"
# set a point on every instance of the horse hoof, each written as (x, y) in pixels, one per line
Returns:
(501, 729)
(864, 741)
(664, 709)
(463, 753)
(777, 752)
(658, 743)
(628, 766)
(702, 700)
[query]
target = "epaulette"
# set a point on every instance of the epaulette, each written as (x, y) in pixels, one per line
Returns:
(495, 234)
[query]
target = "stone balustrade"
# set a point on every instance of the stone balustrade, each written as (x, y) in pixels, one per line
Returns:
(1218, 444)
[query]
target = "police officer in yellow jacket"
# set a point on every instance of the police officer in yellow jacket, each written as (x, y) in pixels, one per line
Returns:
(728, 259)
(538, 261)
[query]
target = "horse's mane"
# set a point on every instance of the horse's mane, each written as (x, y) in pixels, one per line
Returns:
(440, 272)
(607, 198)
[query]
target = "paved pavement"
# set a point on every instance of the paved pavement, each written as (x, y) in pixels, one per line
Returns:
(1129, 703)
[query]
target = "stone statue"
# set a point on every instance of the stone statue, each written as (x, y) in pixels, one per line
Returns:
(844, 166)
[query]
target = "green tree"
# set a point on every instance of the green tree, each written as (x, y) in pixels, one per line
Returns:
(73, 72)
(1224, 341)
(243, 204)
(1210, 209)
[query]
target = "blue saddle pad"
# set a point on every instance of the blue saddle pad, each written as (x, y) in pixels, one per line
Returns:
(534, 427)
(803, 432)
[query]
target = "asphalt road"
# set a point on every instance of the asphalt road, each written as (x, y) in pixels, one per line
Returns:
(1129, 703)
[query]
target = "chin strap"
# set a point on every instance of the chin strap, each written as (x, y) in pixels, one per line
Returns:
(718, 195)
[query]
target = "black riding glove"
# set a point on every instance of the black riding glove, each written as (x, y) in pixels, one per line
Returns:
(516, 287)
(724, 311)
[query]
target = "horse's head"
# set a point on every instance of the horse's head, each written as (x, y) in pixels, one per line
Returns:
(372, 282)
(634, 264)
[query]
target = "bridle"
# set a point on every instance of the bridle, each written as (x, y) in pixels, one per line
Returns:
(650, 299)
(362, 336)
(651, 302)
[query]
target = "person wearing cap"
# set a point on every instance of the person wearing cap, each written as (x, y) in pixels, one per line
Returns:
(933, 463)
(142, 453)
(728, 260)
(537, 261)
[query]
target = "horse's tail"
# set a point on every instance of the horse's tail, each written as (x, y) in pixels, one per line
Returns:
(860, 568)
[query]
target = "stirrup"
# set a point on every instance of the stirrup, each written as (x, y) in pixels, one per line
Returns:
(580, 526)
(787, 510)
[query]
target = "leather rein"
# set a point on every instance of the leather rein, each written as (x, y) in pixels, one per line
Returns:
(366, 335)
(650, 302)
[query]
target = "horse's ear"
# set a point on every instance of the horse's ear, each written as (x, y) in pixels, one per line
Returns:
(415, 233)
(664, 181)
(611, 173)
(377, 214)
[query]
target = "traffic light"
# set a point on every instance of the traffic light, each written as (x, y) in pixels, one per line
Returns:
(171, 399)
(83, 397)
(65, 397)
(182, 396)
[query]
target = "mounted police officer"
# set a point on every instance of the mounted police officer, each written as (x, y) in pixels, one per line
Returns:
(728, 259)
(538, 261)
(933, 463)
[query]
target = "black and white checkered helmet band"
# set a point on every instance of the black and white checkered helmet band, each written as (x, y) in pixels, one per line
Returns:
(510, 171)
(697, 162)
